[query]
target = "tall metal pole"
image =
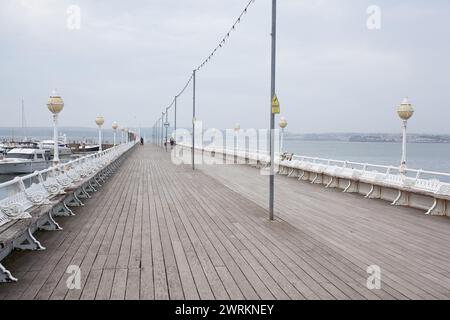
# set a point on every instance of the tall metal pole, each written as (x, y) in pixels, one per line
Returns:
(193, 122)
(24, 125)
(165, 124)
(162, 130)
(272, 115)
(175, 120)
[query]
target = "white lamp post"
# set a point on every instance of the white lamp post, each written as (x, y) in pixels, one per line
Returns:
(127, 138)
(55, 104)
(283, 124)
(122, 130)
(114, 127)
(100, 121)
(405, 111)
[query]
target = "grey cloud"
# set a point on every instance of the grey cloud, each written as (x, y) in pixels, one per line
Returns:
(130, 57)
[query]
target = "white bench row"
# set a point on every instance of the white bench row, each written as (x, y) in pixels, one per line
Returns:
(22, 193)
(40, 196)
(365, 175)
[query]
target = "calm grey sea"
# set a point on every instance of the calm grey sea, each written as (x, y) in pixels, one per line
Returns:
(427, 156)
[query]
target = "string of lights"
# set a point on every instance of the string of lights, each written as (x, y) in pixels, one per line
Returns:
(227, 35)
(219, 46)
(211, 55)
(185, 86)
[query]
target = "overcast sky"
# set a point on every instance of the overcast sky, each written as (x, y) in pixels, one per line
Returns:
(129, 58)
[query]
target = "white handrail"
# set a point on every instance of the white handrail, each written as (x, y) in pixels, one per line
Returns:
(385, 169)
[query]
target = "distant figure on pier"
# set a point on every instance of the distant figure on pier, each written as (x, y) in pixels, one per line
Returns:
(142, 141)
(287, 156)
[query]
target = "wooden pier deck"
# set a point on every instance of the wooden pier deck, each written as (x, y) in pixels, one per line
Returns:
(161, 231)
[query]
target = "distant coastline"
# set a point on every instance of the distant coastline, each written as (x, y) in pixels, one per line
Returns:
(370, 137)
(89, 133)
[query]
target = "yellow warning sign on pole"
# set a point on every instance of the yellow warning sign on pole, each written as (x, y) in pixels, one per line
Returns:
(275, 105)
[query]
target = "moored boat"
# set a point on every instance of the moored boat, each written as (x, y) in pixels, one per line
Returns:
(49, 145)
(88, 148)
(24, 160)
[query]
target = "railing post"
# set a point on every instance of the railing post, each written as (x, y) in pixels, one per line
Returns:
(165, 125)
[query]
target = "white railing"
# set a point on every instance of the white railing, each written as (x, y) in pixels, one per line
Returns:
(429, 180)
(329, 171)
(19, 195)
(423, 180)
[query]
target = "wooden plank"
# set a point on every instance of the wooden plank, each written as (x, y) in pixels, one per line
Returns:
(119, 286)
(105, 285)
(200, 260)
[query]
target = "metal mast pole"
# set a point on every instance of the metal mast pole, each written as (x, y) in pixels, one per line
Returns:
(193, 122)
(272, 115)
(175, 120)
(162, 130)
(24, 125)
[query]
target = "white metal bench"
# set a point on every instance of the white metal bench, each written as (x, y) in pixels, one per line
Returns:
(39, 196)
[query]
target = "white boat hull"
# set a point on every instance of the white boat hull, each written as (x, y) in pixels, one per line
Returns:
(23, 167)
(62, 152)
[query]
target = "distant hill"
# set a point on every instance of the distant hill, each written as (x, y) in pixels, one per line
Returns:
(371, 137)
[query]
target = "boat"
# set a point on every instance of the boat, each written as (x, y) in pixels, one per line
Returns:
(63, 149)
(24, 160)
(2, 151)
(88, 148)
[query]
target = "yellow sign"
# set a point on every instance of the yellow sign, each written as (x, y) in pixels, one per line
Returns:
(275, 105)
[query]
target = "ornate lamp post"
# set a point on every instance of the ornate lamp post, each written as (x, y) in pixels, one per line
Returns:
(127, 138)
(114, 127)
(283, 124)
(100, 121)
(405, 111)
(55, 104)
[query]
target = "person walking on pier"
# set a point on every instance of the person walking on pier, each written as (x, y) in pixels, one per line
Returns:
(142, 141)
